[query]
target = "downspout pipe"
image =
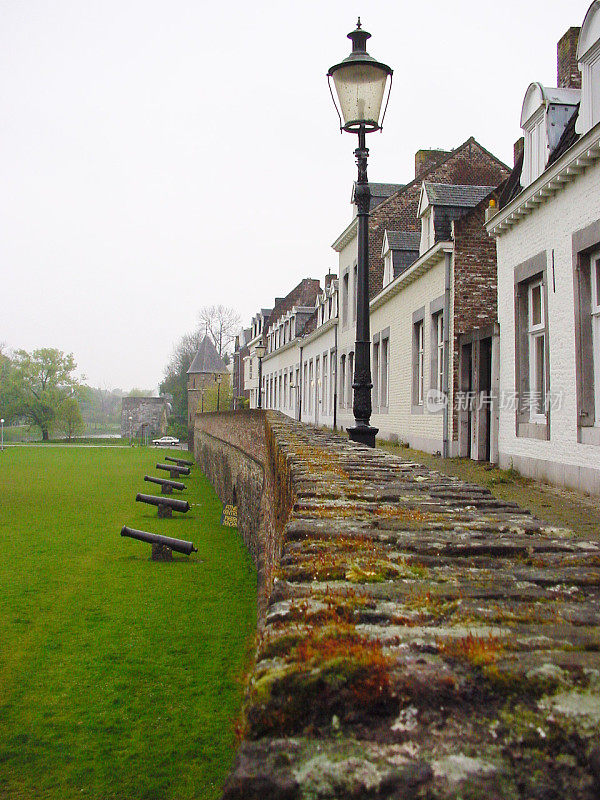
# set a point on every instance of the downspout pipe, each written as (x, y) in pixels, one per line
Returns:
(335, 379)
(300, 388)
(446, 374)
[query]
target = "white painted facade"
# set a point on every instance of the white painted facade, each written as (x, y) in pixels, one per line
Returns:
(319, 363)
(404, 354)
(549, 236)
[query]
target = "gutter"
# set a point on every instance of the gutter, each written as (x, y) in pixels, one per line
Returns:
(300, 387)
(446, 375)
(335, 382)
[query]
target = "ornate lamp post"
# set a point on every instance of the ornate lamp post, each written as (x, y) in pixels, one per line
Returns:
(218, 379)
(360, 83)
(260, 351)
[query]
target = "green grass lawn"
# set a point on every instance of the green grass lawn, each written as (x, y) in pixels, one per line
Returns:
(119, 677)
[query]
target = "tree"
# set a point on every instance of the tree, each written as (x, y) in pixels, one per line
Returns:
(69, 420)
(222, 324)
(40, 382)
(175, 380)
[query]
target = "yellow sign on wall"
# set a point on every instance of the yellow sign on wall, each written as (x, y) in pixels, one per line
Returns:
(229, 516)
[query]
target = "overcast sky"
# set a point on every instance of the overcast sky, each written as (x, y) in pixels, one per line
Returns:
(156, 157)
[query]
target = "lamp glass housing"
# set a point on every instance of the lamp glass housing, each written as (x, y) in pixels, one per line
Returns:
(260, 350)
(360, 87)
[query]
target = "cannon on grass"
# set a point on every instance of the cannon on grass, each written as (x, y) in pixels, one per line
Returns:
(166, 486)
(174, 470)
(166, 505)
(162, 546)
(181, 461)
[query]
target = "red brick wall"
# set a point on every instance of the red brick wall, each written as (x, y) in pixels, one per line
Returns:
(470, 164)
(475, 282)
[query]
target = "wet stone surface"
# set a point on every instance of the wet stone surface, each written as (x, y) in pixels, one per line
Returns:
(422, 640)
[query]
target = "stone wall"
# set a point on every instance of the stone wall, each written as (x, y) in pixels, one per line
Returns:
(422, 639)
(236, 455)
(149, 415)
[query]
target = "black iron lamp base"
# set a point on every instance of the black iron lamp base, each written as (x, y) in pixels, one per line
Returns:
(363, 434)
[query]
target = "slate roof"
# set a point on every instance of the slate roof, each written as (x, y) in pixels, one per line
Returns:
(451, 194)
(568, 138)
(380, 192)
(207, 359)
(403, 240)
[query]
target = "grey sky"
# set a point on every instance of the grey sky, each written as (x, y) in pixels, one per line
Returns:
(160, 156)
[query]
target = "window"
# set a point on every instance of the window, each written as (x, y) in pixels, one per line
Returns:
(345, 280)
(595, 314)
(531, 348)
(325, 386)
(332, 381)
(350, 380)
(388, 268)
(384, 372)
(418, 366)
(285, 390)
(342, 380)
(437, 351)
(536, 331)
(354, 291)
(305, 389)
(376, 372)
(250, 368)
(310, 386)
(427, 231)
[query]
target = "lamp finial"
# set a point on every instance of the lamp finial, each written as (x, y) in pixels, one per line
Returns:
(358, 24)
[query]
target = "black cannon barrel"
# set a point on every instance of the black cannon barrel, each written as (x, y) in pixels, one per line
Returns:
(179, 545)
(170, 502)
(164, 482)
(174, 468)
(181, 461)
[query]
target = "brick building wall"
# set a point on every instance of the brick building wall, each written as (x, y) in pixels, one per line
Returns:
(470, 164)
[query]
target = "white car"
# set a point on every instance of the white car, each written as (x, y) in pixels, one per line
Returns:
(165, 441)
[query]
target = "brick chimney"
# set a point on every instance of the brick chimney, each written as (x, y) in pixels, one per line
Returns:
(567, 74)
(426, 159)
(518, 149)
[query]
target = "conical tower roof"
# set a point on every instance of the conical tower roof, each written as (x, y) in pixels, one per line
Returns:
(207, 359)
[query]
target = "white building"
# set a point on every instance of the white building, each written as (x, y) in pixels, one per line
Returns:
(257, 330)
(548, 243)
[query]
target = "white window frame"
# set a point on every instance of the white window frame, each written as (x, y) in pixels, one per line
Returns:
(536, 332)
(595, 313)
(420, 362)
(325, 386)
(439, 353)
(384, 372)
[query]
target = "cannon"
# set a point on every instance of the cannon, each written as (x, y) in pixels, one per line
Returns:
(166, 486)
(161, 545)
(166, 505)
(174, 470)
(180, 461)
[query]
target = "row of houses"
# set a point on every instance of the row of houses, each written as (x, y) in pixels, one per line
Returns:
(484, 298)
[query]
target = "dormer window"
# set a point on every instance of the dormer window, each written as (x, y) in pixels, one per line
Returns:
(427, 230)
(544, 116)
(588, 61)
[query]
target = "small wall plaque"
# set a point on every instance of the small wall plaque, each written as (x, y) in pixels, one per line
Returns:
(229, 516)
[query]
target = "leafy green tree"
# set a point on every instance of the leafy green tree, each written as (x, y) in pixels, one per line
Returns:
(8, 397)
(69, 420)
(40, 382)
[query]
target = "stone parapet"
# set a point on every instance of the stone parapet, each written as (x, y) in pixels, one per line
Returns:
(422, 639)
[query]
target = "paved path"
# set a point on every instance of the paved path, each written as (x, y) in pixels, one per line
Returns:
(423, 639)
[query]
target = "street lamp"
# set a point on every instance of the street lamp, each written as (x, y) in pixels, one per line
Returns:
(260, 351)
(2, 442)
(360, 84)
(218, 379)
(131, 431)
